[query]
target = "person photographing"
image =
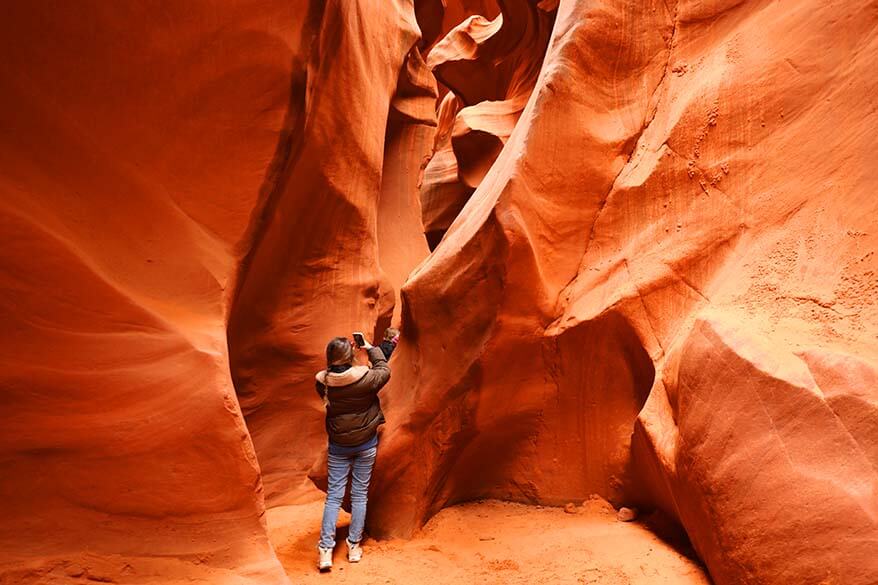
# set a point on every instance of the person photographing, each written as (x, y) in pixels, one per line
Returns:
(353, 415)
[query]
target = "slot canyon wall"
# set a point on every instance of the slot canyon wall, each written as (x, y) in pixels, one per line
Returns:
(161, 163)
(678, 235)
(135, 140)
(653, 232)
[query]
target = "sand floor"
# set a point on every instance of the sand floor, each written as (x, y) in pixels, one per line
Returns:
(491, 542)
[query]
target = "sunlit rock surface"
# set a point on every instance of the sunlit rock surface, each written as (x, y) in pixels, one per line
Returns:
(653, 272)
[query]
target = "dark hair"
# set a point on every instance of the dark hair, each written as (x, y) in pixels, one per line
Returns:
(339, 351)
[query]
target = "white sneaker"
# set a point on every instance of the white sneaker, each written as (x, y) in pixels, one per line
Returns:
(325, 562)
(355, 551)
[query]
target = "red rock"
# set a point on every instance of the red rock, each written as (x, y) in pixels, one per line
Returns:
(411, 127)
(655, 282)
(491, 67)
(626, 514)
(499, 401)
(134, 146)
(677, 195)
(759, 455)
(442, 192)
(315, 271)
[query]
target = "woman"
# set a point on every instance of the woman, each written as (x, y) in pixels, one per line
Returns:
(391, 339)
(353, 415)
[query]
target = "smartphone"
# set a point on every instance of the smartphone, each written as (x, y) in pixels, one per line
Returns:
(359, 339)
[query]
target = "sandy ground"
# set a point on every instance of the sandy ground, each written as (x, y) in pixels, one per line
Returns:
(491, 542)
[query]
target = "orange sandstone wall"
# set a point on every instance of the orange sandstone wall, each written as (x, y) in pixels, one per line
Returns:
(314, 271)
(485, 400)
(491, 66)
(655, 282)
(181, 185)
(678, 238)
(135, 140)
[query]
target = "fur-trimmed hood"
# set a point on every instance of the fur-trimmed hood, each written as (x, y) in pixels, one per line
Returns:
(353, 412)
(349, 376)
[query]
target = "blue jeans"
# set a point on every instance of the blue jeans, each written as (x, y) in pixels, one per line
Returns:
(359, 467)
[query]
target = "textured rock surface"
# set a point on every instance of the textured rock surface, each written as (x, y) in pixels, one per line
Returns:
(656, 283)
(495, 403)
(132, 149)
(155, 175)
(411, 127)
(315, 270)
(681, 220)
(491, 66)
(750, 423)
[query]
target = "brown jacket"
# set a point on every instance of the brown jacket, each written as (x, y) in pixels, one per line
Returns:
(353, 412)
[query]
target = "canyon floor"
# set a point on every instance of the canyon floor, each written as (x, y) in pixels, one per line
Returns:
(491, 542)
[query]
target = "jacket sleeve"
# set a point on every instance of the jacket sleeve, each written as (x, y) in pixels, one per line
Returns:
(321, 389)
(379, 373)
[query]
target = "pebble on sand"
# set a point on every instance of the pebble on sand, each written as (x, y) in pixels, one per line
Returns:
(626, 514)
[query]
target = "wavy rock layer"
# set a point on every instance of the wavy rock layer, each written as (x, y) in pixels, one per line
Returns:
(185, 197)
(134, 144)
(489, 385)
(656, 277)
(491, 67)
(677, 239)
(315, 271)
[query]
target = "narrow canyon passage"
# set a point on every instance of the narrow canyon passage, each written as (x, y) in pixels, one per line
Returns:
(572, 435)
(630, 245)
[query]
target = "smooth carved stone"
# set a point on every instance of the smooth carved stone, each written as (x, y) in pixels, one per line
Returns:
(652, 280)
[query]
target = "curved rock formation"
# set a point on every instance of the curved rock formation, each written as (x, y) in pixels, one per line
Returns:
(685, 183)
(756, 458)
(483, 390)
(655, 282)
(437, 17)
(156, 176)
(411, 127)
(315, 271)
(442, 193)
(134, 143)
(491, 67)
